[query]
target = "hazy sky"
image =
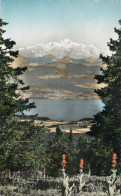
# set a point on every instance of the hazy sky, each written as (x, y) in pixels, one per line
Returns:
(82, 21)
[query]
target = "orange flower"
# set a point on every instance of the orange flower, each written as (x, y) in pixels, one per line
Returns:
(81, 163)
(114, 156)
(9, 171)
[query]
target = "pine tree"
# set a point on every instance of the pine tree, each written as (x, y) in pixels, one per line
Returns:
(72, 153)
(55, 150)
(108, 122)
(20, 144)
(10, 82)
(21, 147)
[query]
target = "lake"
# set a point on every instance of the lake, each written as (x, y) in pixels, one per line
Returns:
(66, 110)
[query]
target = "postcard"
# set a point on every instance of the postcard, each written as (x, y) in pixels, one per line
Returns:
(60, 128)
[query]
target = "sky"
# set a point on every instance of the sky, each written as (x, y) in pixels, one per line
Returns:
(88, 22)
(41, 21)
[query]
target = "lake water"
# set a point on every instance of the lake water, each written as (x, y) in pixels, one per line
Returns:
(70, 110)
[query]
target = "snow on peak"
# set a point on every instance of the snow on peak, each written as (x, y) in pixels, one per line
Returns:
(66, 41)
(61, 49)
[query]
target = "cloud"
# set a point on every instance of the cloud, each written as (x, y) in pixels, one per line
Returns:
(62, 73)
(91, 85)
(96, 32)
(92, 60)
(19, 62)
(46, 77)
(34, 90)
(48, 93)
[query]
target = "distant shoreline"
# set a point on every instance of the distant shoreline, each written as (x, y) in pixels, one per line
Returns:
(36, 117)
(81, 126)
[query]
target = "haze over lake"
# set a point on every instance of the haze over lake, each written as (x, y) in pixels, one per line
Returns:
(70, 110)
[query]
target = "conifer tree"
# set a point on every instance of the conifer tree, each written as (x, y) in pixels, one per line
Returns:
(59, 145)
(108, 122)
(10, 82)
(19, 145)
(55, 150)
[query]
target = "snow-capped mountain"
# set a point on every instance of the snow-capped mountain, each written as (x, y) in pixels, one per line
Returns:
(61, 49)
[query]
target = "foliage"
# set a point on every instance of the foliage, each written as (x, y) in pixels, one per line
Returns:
(84, 152)
(56, 148)
(71, 152)
(20, 146)
(107, 128)
(100, 158)
(74, 151)
(10, 82)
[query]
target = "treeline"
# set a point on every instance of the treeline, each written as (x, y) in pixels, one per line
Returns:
(23, 149)
(94, 156)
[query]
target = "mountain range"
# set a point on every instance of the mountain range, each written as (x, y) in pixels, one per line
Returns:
(61, 49)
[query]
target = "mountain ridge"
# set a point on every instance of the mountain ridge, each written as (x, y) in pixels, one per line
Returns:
(61, 49)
